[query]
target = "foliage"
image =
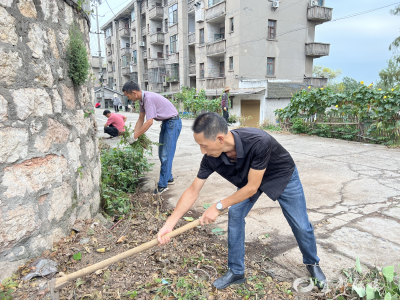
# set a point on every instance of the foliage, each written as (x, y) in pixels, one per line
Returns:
(121, 169)
(271, 127)
(320, 71)
(390, 76)
(7, 287)
(77, 56)
(375, 110)
(233, 119)
(197, 103)
(396, 43)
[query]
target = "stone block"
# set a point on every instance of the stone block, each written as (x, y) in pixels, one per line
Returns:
(10, 62)
(3, 109)
(103, 221)
(17, 224)
(53, 43)
(146, 185)
(7, 28)
(37, 37)
(84, 96)
(74, 153)
(27, 8)
(84, 212)
(89, 149)
(7, 268)
(81, 123)
(32, 102)
(96, 173)
(44, 75)
(34, 174)
(60, 201)
(63, 38)
(56, 133)
(85, 183)
(6, 3)
(69, 14)
(14, 144)
(68, 96)
(35, 126)
(50, 10)
(393, 212)
(57, 102)
(95, 204)
(44, 242)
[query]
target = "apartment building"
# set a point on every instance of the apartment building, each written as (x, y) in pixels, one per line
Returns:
(165, 45)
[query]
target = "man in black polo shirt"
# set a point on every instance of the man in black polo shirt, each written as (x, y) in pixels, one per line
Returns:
(255, 163)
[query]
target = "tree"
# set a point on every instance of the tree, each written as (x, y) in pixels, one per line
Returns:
(321, 71)
(350, 84)
(390, 76)
(396, 43)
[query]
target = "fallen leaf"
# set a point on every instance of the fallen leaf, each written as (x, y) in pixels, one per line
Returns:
(121, 239)
(79, 282)
(107, 275)
(77, 256)
(87, 249)
(189, 219)
(101, 250)
(206, 205)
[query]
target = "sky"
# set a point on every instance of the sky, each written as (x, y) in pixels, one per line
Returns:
(359, 45)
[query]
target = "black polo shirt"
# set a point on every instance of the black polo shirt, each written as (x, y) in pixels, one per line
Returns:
(255, 149)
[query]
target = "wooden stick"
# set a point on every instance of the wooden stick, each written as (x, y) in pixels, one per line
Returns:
(60, 282)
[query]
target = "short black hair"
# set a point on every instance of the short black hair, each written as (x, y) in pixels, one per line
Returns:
(106, 112)
(130, 86)
(211, 124)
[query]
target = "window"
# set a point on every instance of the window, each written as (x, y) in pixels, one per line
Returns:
(112, 48)
(135, 57)
(231, 24)
(222, 32)
(221, 69)
(231, 63)
(165, 2)
(174, 43)
(113, 66)
(166, 25)
(202, 71)
(166, 50)
(270, 66)
(202, 36)
(108, 32)
(271, 29)
(133, 16)
(126, 60)
(173, 14)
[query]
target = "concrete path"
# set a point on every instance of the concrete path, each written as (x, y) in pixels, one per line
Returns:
(352, 191)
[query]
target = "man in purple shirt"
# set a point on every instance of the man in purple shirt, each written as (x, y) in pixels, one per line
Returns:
(156, 107)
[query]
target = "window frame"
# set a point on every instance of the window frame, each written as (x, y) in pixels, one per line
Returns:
(231, 63)
(232, 24)
(134, 54)
(201, 34)
(201, 70)
(173, 15)
(272, 29)
(270, 62)
(173, 44)
(221, 69)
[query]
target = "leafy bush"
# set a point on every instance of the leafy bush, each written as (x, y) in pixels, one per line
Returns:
(268, 126)
(77, 56)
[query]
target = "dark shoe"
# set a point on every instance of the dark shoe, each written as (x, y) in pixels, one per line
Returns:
(228, 279)
(171, 182)
(160, 190)
(317, 275)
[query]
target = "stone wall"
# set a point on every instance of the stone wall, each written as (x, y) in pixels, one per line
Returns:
(49, 159)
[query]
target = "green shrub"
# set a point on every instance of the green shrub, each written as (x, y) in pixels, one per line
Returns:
(77, 56)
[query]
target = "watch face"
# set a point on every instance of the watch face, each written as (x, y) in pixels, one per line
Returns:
(219, 205)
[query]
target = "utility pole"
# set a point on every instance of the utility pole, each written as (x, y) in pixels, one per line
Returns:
(100, 58)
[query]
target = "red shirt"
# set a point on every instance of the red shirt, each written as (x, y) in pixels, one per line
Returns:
(97, 104)
(117, 121)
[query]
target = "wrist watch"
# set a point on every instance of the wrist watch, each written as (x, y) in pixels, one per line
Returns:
(220, 207)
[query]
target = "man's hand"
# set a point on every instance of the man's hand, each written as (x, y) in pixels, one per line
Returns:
(210, 215)
(162, 239)
(225, 108)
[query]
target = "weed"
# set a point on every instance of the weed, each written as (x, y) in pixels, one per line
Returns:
(268, 126)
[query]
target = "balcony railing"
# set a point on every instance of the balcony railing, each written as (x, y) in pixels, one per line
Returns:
(173, 58)
(216, 83)
(134, 46)
(126, 70)
(126, 51)
(316, 81)
(134, 67)
(173, 29)
(216, 48)
(319, 14)
(156, 13)
(216, 11)
(192, 70)
(109, 58)
(199, 14)
(191, 5)
(144, 31)
(133, 25)
(108, 40)
(145, 76)
(124, 32)
(157, 38)
(317, 49)
(143, 7)
(170, 2)
(156, 63)
(109, 69)
(144, 54)
(175, 87)
(191, 38)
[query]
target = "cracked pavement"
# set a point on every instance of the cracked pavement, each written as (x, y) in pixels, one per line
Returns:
(352, 192)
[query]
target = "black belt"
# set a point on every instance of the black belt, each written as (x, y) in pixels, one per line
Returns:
(173, 118)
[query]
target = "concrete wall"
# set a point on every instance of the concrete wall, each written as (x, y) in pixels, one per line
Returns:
(271, 105)
(49, 160)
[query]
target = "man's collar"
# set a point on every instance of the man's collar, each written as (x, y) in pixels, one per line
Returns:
(141, 102)
(238, 148)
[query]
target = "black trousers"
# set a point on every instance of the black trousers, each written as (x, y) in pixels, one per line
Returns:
(111, 130)
(225, 115)
(116, 108)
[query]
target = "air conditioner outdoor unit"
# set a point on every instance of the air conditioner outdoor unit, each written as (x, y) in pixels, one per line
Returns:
(275, 4)
(98, 95)
(314, 3)
(142, 44)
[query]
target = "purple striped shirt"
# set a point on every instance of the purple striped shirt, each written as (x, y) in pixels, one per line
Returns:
(157, 107)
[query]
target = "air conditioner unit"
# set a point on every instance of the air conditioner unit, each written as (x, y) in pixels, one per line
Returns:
(98, 95)
(142, 44)
(275, 4)
(314, 3)
(165, 83)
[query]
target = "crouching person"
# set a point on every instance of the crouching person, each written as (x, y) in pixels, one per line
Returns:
(115, 124)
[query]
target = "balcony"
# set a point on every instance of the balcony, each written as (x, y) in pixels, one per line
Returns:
(216, 11)
(191, 6)
(134, 67)
(109, 58)
(125, 32)
(144, 31)
(192, 70)
(319, 14)
(144, 54)
(156, 63)
(216, 83)
(134, 46)
(157, 38)
(109, 69)
(173, 58)
(126, 51)
(199, 15)
(170, 2)
(191, 38)
(156, 13)
(318, 82)
(143, 7)
(145, 77)
(126, 70)
(175, 87)
(173, 29)
(217, 48)
(108, 40)
(317, 49)
(133, 25)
